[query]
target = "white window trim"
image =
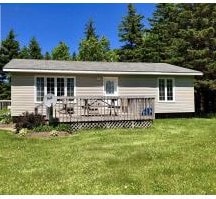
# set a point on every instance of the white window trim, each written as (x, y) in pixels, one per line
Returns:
(110, 78)
(165, 78)
(55, 83)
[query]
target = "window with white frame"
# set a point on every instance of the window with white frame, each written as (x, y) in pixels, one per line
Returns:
(50, 85)
(110, 86)
(59, 86)
(39, 88)
(70, 87)
(166, 89)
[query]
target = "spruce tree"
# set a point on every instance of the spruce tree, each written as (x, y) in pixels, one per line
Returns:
(34, 49)
(74, 57)
(201, 50)
(47, 56)
(90, 30)
(93, 48)
(9, 49)
(185, 35)
(61, 52)
(164, 27)
(24, 53)
(131, 32)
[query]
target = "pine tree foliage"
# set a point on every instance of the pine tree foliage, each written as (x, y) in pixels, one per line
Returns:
(93, 48)
(61, 52)
(24, 53)
(34, 49)
(9, 49)
(131, 33)
(164, 28)
(47, 56)
(74, 57)
(131, 28)
(90, 30)
(185, 35)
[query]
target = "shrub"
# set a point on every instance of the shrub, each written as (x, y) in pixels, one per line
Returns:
(23, 132)
(54, 133)
(5, 116)
(48, 128)
(64, 127)
(43, 128)
(29, 121)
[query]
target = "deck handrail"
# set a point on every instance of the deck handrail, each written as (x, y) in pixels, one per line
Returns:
(5, 104)
(101, 108)
(102, 97)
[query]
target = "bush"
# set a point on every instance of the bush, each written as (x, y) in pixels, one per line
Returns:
(54, 133)
(23, 132)
(64, 127)
(29, 121)
(48, 128)
(5, 116)
(43, 128)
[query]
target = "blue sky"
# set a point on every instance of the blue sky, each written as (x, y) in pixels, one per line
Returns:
(51, 23)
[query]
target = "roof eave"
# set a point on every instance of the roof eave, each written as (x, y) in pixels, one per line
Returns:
(103, 72)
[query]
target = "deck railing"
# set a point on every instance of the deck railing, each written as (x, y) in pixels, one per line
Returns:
(5, 104)
(87, 109)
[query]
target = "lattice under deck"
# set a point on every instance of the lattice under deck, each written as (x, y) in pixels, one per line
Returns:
(111, 124)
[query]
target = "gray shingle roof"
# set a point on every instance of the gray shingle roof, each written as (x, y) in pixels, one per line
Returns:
(25, 65)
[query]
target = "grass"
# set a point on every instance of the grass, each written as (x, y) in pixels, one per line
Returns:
(175, 156)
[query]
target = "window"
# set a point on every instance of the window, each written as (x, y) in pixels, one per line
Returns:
(161, 89)
(70, 87)
(110, 85)
(169, 89)
(59, 86)
(51, 85)
(40, 88)
(166, 87)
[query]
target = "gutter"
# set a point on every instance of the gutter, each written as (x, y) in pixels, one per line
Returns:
(104, 72)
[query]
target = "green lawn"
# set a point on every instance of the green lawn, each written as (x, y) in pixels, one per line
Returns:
(175, 156)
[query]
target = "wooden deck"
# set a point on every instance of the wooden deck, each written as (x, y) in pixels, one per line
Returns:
(101, 109)
(122, 117)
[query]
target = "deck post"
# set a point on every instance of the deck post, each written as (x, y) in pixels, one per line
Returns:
(49, 114)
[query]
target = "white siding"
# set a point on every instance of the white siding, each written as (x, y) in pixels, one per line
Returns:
(22, 94)
(184, 98)
(22, 90)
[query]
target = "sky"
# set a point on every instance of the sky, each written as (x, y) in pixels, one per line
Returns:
(52, 23)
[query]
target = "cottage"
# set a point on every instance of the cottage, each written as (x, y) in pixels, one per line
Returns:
(101, 90)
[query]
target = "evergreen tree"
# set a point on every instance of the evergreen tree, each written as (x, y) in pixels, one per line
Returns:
(61, 52)
(157, 44)
(112, 56)
(9, 49)
(74, 57)
(24, 53)
(90, 30)
(34, 49)
(185, 35)
(200, 35)
(91, 48)
(96, 50)
(47, 56)
(131, 32)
